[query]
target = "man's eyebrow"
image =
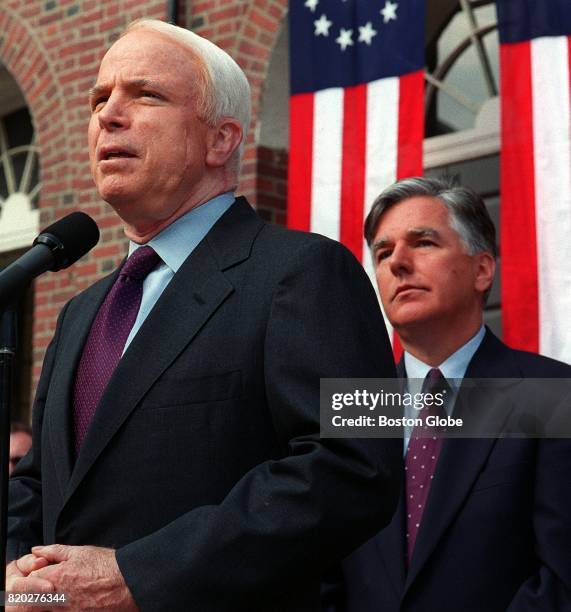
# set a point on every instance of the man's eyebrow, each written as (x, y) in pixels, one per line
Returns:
(132, 84)
(380, 243)
(415, 232)
(96, 90)
(421, 232)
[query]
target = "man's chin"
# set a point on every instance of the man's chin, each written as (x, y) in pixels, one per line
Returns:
(117, 189)
(120, 200)
(408, 317)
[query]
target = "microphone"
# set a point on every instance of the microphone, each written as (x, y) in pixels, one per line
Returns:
(57, 247)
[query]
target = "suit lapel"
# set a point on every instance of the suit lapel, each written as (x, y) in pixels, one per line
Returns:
(461, 459)
(59, 417)
(193, 295)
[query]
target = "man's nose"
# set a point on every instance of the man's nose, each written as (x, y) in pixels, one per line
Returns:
(401, 260)
(113, 115)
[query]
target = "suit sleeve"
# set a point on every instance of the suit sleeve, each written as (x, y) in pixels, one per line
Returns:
(25, 486)
(287, 519)
(549, 589)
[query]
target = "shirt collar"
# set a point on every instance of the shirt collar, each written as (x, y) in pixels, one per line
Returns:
(177, 241)
(453, 368)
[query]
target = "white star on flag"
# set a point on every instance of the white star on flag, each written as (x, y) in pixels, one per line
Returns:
(366, 33)
(322, 26)
(311, 4)
(389, 12)
(345, 39)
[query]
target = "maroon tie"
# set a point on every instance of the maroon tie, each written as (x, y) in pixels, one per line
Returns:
(421, 459)
(109, 332)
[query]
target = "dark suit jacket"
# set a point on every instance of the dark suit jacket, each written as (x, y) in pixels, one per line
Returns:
(203, 465)
(496, 532)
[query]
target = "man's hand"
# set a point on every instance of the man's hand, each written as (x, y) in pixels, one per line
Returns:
(18, 579)
(88, 575)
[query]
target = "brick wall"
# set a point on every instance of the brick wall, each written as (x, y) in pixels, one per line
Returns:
(271, 188)
(53, 48)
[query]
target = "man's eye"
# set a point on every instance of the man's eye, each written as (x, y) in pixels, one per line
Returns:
(383, 254)
(425, 243)
(98, 103)
(150, 94)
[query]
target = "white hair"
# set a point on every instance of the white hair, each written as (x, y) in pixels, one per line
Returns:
(224, 90)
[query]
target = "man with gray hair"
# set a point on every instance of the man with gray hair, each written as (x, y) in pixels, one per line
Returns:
(176, 460)
(483, 524)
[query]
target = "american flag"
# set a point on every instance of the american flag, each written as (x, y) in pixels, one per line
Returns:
(535, 48)
(356, 110)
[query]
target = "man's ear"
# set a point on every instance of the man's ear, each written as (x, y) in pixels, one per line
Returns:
(486, 269)
(223, 140)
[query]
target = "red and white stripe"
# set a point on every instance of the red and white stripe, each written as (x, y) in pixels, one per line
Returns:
(536, 195)
(346, 146)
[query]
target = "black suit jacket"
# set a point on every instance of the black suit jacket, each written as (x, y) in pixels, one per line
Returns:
(496, 532)
(203, 465)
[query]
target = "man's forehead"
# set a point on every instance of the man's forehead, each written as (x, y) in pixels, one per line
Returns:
(411, 233)
(414, 213)
(148, 49)
(139, 66)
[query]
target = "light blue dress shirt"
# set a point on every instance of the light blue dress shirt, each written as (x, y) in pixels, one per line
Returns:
(173, 245)
(453, 369)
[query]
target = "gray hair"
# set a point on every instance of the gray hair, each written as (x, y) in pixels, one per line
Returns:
(467, 213)
(223, 89)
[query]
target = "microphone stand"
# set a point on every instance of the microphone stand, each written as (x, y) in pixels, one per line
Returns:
(57, 247)
(8, 342)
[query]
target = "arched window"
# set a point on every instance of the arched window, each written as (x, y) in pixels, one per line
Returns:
(19, 173)
(19, 218)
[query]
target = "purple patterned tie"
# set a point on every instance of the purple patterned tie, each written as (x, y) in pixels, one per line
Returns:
(421, 459)
(109, 332)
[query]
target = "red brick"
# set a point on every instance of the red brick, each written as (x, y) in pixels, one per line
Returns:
(88, 58)
(275, 12)
(266, 185)
(263, 21)
(33, 69)
(31, 11)
(112, 24)
(86, 31)
(94, 16)
(108, 221)
(228, 13)
(107, 251)
(51, 17)
(64, 296)
(41, 341)
(272, 202)
(76, 48)
(250, 32)
(86, 269)
(46, 313)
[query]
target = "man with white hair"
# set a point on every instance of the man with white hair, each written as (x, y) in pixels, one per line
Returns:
(176, 460)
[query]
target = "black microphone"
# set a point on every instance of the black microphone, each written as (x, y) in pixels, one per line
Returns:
(57, 247)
